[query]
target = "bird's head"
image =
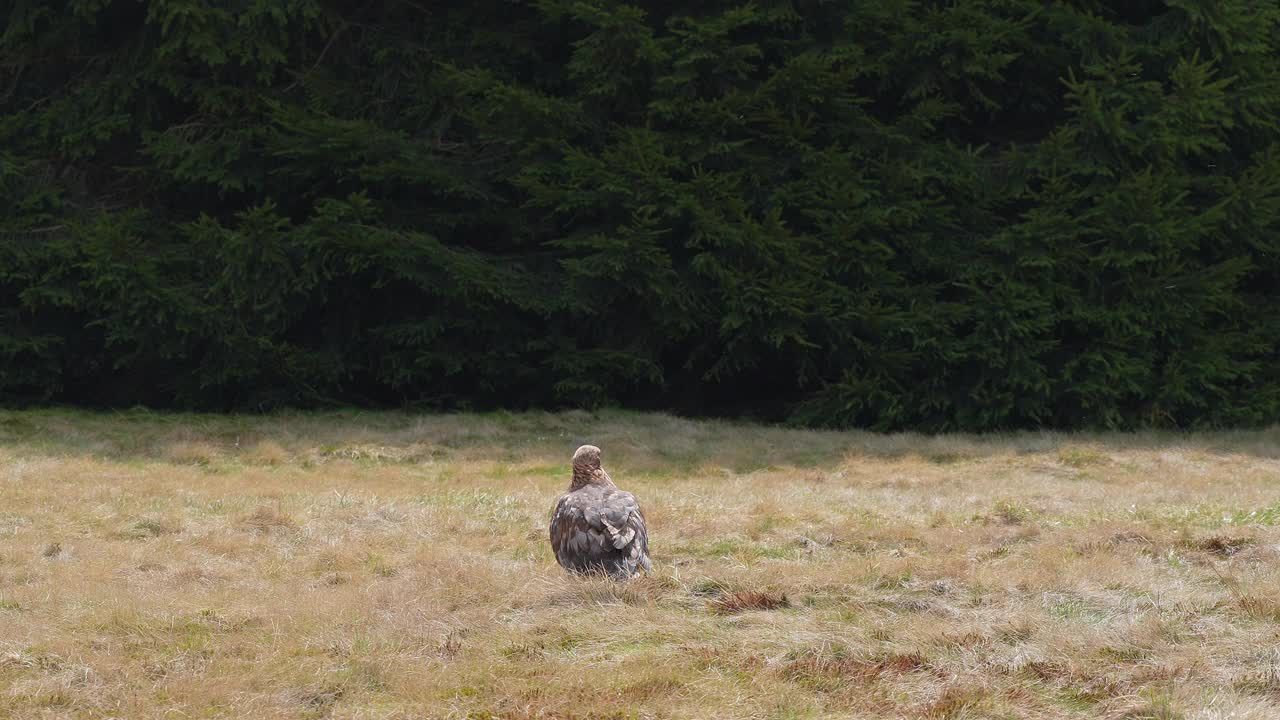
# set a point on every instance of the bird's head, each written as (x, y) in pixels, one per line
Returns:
(587, 470)
(587, 458)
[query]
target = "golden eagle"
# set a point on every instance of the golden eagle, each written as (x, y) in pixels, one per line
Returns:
(596, 527)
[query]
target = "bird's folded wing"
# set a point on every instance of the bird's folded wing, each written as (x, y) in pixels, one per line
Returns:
(621, 518)
(596, 529)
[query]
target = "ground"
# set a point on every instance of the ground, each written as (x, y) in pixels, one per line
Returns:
(387, 565)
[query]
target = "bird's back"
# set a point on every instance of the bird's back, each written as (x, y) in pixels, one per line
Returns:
(599, 528)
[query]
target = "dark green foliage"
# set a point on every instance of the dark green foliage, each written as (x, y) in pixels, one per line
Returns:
(900, 213)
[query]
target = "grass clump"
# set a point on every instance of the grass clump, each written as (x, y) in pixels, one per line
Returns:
(738, 601)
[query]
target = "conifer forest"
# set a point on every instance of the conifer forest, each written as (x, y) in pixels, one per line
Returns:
(888, 214)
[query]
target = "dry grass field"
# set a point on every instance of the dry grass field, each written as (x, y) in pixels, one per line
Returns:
(355, 565)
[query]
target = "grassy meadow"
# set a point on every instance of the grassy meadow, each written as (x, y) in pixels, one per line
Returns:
(389, 565)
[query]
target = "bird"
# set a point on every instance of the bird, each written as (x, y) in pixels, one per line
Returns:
(597, 527)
